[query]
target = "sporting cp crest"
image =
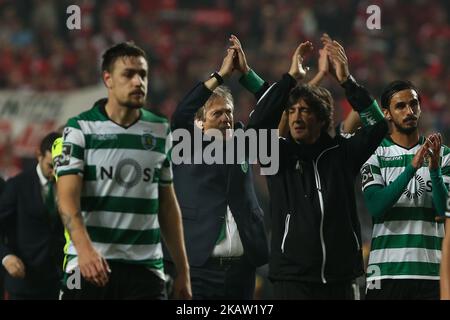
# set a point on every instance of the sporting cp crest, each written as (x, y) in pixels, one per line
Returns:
(148, 141)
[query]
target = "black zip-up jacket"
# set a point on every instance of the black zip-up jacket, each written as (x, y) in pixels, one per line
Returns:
(315, 228)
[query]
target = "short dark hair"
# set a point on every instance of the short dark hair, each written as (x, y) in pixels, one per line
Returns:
(317, 98)
(47, 142)
(394, 87)
(124, 49)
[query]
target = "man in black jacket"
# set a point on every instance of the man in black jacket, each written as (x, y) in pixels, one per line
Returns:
(315, 244)
(222, 220)
(33, 254)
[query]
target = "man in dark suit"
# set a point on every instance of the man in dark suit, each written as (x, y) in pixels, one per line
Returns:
(223, 223)
(33, 252)
(2, 272)
(2, 185)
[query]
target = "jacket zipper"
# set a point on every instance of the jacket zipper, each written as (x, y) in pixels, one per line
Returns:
(357, 241)
(319, 192)
(286, 230)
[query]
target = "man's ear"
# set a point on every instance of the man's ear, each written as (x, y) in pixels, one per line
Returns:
(107, 80)
(198, 123)
(387, 114)
(38, 154)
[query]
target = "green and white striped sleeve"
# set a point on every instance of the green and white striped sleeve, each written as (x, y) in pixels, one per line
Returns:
(166, 175)
(447, 211)
(72, 156)
(445, 165)
(445, 171)
(371, 173)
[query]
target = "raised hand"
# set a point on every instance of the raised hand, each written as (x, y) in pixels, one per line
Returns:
(239, 61)
(421, 154)
(227, 64)
(435, 142)
(338, 58)
(326, 39)
(297, 71)
(323, 64)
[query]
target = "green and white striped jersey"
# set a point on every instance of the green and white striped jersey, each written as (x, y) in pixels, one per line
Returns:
(406, 240)
(447, 212)
(122, 169)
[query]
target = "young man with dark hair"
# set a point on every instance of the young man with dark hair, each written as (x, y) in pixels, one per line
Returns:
(404, 191)
(315, 243)
(32, 254)
(115, 190)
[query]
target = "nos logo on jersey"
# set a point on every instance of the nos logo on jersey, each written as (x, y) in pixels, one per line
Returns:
(366, 174)
(127, 173)
(415, 188)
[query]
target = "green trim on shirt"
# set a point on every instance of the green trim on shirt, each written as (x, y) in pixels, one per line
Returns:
(371, 115)
(251, 81)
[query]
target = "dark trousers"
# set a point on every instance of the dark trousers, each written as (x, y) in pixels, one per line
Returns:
(221, 278)
(2, 281)
(404, 289)
(299, 290)
(126, 282)
(48, 292)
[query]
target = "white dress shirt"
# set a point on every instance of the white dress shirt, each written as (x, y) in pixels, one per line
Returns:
(231, 246)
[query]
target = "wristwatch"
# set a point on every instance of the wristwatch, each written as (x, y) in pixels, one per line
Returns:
(217, 76)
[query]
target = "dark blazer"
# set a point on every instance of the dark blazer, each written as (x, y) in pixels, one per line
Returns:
(2, 185)
(204, 191)
(33, 233)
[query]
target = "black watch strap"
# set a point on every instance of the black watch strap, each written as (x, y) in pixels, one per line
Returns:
(217, 76)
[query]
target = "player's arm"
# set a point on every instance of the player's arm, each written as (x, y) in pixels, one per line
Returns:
(169, 216)
(380, 199)
(445, 262)
(70, 170)
(93, 266)
(440, 192)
